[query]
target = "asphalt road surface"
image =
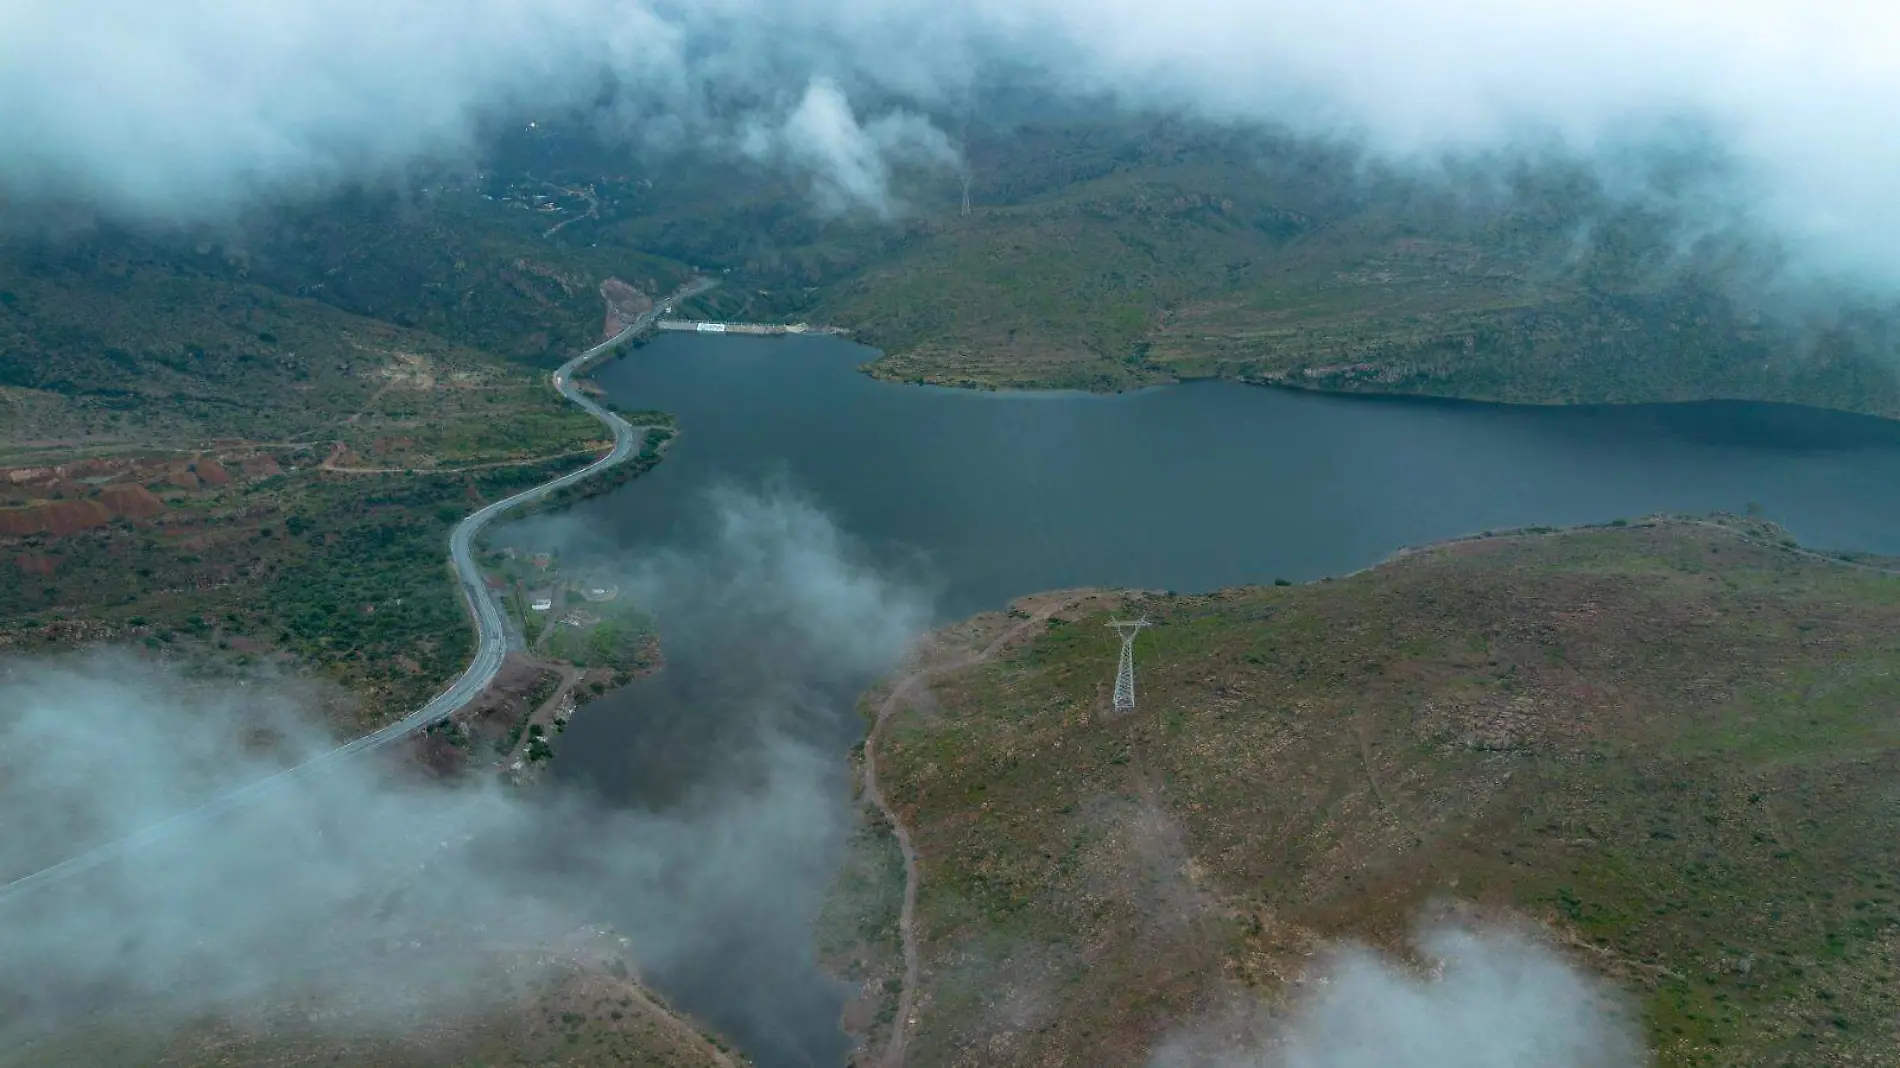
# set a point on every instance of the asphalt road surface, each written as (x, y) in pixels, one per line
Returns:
(491, 627)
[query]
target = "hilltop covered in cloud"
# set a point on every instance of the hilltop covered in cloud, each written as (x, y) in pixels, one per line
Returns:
(190, 110)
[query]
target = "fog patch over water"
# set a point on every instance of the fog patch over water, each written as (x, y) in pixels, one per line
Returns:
(1483, 998)
(772, 622)
(393, 893)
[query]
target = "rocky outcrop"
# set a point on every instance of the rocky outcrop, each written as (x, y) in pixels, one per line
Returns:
(624, 305)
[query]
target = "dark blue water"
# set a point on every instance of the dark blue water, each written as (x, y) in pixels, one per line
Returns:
(1211, 484)
(1186, 488)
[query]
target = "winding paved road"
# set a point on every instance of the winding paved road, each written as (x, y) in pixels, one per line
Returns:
(491, 627)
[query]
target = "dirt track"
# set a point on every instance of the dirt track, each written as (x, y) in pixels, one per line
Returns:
(929, 666)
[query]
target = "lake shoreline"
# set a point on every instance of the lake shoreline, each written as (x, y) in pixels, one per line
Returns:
(986, 497)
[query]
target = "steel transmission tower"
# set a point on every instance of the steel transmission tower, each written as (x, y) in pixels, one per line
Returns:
(1125, 672)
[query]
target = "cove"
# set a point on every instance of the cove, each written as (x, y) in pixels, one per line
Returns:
(1188, 488)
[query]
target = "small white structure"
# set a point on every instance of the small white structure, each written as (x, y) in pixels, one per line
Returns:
(711, 328)
(542, 604)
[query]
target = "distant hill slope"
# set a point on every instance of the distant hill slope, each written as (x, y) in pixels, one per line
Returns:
(1672, 744)
(1123, 256)
(487, 274)
(190, 457)
(129, 348)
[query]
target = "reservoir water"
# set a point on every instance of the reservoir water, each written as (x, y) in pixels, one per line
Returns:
(983, 497)
(1211, 484)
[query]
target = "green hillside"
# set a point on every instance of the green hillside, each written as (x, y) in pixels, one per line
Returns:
(1670, 744)
(1165, 258)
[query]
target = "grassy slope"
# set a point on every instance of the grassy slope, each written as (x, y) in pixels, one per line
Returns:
(128, 349)
(1140, 262)
(1675, 746)
(476, 272)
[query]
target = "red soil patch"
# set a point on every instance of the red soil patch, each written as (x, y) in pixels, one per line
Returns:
(259, 466)
(18, 521)
(36, 564)
(131, 500)
(213, 473)
(54, 517)
(180, 475)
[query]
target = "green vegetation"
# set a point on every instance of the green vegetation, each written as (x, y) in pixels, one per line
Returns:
(346, 574)
(1274, 264)
(539, 748)
(1110, 254)
(857, 929)
(623, 641)
(476, 272)
(1672, 742)
(587, 623)
(101, 355)
(281, 430)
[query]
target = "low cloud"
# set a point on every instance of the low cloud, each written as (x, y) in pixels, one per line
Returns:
(849, 163)
(773, 622)
(770, 560)
(361, 882)
(1477, 998)
(245, 904)
(189, 110)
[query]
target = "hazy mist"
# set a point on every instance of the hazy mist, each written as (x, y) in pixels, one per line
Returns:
(1484, 998)
(773, 621)
(187, 110)
(393, 894)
